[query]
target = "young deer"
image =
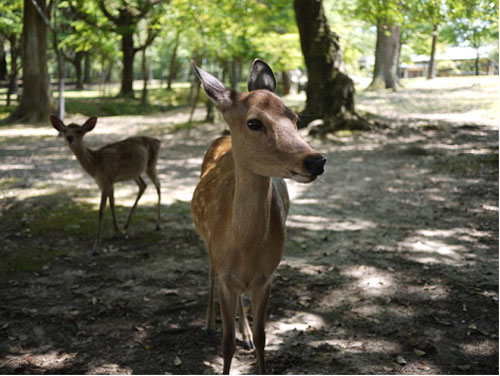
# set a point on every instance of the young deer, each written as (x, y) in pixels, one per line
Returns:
(121, 161)
(240, 205)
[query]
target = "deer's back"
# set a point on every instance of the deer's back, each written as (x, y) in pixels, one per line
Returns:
(126, 159)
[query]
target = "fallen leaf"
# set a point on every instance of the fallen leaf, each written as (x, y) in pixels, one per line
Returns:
(473, 326)
(464, 307)
(177, 361)
(419, 352)
(304, 303)
(387, 369)
(401, 360)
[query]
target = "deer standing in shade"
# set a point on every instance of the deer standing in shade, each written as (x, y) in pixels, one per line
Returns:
(120, 161)
(240, 205)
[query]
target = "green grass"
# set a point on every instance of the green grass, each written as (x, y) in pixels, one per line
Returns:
(92, 102)
(160, 100)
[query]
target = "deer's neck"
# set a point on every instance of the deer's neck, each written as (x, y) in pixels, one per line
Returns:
(85, 156)
(251, 207)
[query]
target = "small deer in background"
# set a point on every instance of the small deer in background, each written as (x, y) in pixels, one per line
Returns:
(120, 161)
(240, 205)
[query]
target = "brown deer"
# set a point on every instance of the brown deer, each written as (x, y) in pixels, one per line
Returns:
(120, 161)
(240, 205)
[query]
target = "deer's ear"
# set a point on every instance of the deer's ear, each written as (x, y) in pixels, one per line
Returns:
(89, 124)
(57, 123)
(261, 77)
(222, 96)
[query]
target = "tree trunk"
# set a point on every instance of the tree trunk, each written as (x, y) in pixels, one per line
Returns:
(36, 101)
(210, 118)
(14, 67)
(172, 70)
(87, 79)
(386, 56)
(3, 60)
(145, 77)
(128, 51)
(286, 83)
(78, 69)
(431, 73)
(234, 73)
(330, 92)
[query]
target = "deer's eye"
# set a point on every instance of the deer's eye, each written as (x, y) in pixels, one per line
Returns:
(255, 124)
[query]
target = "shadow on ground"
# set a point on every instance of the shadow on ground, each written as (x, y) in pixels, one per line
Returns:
(391, 265)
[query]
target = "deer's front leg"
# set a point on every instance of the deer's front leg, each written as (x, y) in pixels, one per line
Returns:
(112, 206)
(228, 299)
(102, 206)
(210, 328)
(260, 296)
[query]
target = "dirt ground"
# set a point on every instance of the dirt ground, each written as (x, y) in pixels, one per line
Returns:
(391, 261)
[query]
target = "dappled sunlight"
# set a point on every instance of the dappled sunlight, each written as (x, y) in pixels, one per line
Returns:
(300, 321)
(448, 246)
(372, 281)
(364, 345)
(480, 348)
(49, 361)
(109, 369)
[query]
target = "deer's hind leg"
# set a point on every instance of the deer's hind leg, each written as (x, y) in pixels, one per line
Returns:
(210, 328)
(151, 172)
(244, 327)
(142, 187)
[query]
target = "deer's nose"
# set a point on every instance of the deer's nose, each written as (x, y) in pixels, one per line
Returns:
(314, 164)
(69, 138)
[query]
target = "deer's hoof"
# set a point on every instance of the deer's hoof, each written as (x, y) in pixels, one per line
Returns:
(248, 345)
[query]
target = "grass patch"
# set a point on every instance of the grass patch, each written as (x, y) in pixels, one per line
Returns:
(68, 217)
(9, 182)
(469, 165)
(29, 259)
(160, 100)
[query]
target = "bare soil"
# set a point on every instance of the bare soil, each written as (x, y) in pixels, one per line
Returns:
(391, 262)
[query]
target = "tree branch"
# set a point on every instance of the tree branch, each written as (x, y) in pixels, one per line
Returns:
(106, 13)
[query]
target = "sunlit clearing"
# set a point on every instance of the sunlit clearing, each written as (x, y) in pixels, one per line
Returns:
(24, 131)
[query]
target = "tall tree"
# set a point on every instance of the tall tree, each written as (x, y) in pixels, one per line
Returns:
(123, 19)
(473, 22)
(387, 16)
(386, 56)
(11, 24)
(36, 101)
(330, 92)
(126, 19)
